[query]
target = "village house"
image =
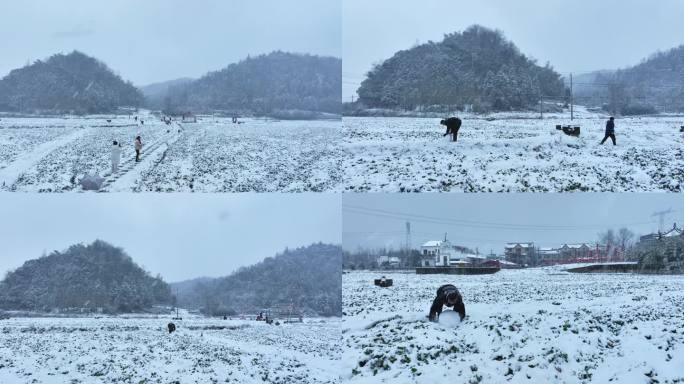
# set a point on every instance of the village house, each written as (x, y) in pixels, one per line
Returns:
(574, 252)
(443, 254)
(520, 253)
(549, 256)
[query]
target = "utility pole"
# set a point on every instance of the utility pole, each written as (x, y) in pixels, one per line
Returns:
(352, 99)
(572, 101)
(541, 107)
(408, 236)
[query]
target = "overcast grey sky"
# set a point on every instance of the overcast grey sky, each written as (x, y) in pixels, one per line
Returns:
(157, 40)
(574, 35)
(495, 219)
(180, 236)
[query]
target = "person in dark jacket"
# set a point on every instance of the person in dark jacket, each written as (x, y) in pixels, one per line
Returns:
(610, 130)
(449, 296)
(453, 124)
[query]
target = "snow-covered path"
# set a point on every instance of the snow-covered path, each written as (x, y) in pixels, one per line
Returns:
(130, 171)
(10, 174)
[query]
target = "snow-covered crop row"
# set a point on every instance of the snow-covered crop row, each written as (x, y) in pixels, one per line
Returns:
(522, 326)
(257, 156)
(19, 136)
(118, 350)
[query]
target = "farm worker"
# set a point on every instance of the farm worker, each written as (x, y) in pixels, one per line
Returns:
(447, 295)
(116, 156)
(138, 148)
(453, 124)
(610, 130)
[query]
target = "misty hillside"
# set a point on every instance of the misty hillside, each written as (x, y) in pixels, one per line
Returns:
(308, 277)
(654, 85)
(156, 92)
(477, 67)
(72, 83)
(263, 85)
(83, 277)
(186, 288)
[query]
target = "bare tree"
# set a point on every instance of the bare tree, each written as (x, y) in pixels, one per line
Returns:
(624, 238)
(608, 238)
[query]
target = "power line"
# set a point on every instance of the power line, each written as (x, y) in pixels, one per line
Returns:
(474, 223)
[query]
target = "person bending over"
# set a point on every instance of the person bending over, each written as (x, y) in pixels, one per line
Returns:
(449, 296)
(453, 124)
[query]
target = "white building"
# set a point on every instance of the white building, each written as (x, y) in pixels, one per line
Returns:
(443, 254)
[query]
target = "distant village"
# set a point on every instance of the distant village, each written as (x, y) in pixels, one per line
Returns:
(443, 253)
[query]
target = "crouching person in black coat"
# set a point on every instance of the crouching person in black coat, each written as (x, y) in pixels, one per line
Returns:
(447, 295)
(453, 124)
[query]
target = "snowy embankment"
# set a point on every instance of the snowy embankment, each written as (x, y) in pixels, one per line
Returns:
(522, 326)
(513, 153)
(212, 155)
(129, 350)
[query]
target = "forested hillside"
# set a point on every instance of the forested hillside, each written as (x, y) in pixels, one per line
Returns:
(83, 277)
(477, 67)
(654, 85)
(308, 277)
(72, 83)
(263, 85)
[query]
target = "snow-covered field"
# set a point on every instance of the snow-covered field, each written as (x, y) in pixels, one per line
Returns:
(213, 155)
(522, 326)
(140, 350)
(513, 153)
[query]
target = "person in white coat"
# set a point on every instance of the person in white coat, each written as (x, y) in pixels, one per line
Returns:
(138, 148)
(116, 156)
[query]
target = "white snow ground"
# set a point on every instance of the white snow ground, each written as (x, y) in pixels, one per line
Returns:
(140, 350)
(514, 152)
(213, 155)
(522, 326)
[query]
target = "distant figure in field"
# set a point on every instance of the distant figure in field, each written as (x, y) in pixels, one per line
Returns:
(136, 118)
(116, 156)
(610, 130)
(453, 124)
(171, 327)
(449, 296)
(138, 148)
